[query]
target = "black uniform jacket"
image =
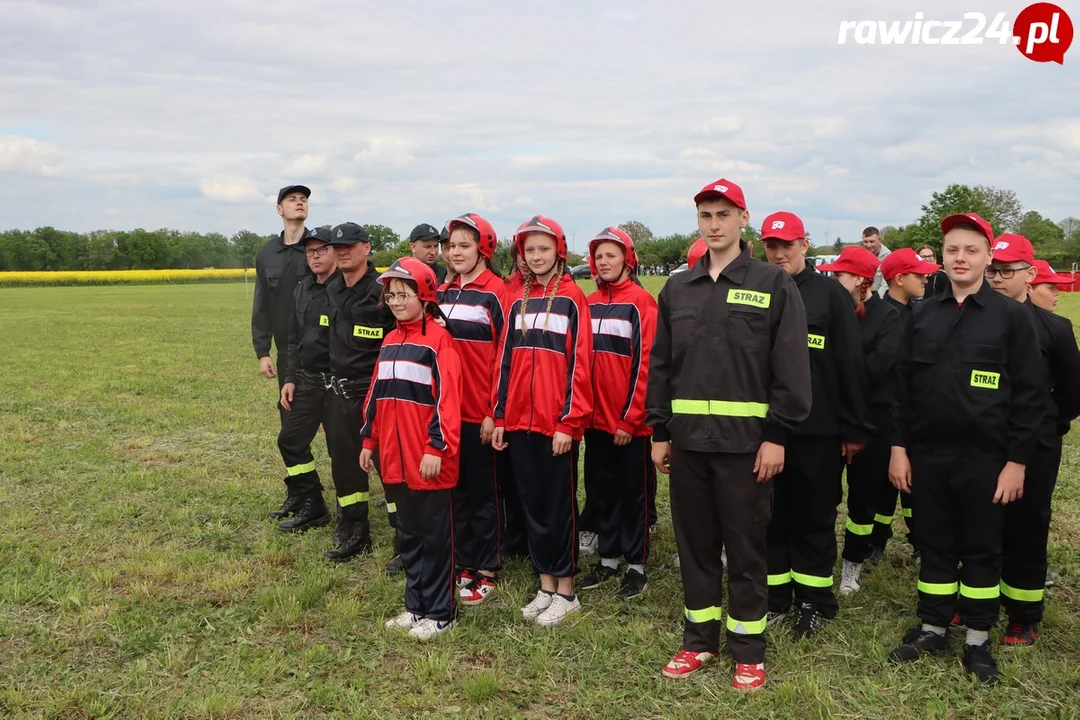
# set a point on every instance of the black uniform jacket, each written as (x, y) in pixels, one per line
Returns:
(309, 333)
(882, 330)
(730, 367)
(971, 378)
(837, 376)
(1058, 345)
(278, 268)
(357, 327)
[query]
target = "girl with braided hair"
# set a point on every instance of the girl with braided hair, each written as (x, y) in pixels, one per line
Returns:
(542, 402)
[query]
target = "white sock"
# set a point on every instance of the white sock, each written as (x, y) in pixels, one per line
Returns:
(976, 637)
(934, 629)
(612, 563)
(638, 568)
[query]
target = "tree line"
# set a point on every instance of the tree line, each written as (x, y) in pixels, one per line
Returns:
(47, 248)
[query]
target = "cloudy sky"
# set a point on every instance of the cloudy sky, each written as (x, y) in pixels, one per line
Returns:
(191, 115)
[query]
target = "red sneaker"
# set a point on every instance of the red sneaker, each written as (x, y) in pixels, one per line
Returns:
(687, 662)
(1021, 634)
(481, 588)
(748, 676)
(957, 621)
(465, 579)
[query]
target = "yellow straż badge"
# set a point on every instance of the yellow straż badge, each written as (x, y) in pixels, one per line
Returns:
(816, 342)
(984, 379)
(748, 297)
(324, 321)
(367, 332)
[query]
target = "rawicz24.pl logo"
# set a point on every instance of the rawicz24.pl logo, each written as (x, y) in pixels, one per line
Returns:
(1041, 32)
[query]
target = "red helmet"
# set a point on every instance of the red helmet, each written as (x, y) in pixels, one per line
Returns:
(488, 241)
(409, 268)
(617, 236)
(696, 252)
(541, 224)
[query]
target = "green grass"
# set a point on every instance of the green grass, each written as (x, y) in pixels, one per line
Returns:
(139, 576)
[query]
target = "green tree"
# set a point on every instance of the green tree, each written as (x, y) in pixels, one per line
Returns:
(894, 237)
(955, 199)
(245, 245)
(638, 231)
(837, 246)
(1004, 204)
(1043, 233)
(382, 237)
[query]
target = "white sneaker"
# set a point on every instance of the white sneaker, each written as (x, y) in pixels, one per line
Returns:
(849, 581)
(675, 560)
(428, 628)
(588, 542)
(539, 604)
(558, 610)
(404, 621)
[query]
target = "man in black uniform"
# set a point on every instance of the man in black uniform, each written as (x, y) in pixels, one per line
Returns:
(424, 243)
(729, 380)
(357, 328)
(802, 531)
(1027, 521)
(279, 265)
(303, 396)
(966, 418)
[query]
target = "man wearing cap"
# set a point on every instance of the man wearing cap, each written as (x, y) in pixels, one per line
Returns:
(279, 265)
(306, 374)
(729, 380)
(871, 240)
(1027, 521)
(1044, 288)
(357, 327)
(935, 282)
(424, 243)
(802, 532)
(966, 419)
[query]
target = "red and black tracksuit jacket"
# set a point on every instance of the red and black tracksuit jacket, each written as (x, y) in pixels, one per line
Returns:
(412, 409)
(543, 386)
(620, 480)
(475, 317)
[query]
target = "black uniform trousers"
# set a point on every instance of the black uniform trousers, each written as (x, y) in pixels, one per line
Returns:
(477, 511)
(513, 541)
(343, 422)
(617, 494)
(715, 498)
(547, 484)
(426, 521)
(298, 428)
(871, 502)
(802, 531)
(959, 535)
(1027, 529)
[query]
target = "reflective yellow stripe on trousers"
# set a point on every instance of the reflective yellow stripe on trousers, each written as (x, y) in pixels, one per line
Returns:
(1021, 595)
(347, 500)
(704, 614)
(295, 470)
(723, 408)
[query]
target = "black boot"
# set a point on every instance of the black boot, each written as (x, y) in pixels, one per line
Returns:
(291, 504)
(311, 513)
(355, 539)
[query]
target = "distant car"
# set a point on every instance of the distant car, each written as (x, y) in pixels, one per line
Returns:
(580, 272)
(682, 268)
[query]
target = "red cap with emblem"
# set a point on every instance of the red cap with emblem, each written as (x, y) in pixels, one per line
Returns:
(904, 261)
(722, 189)
(1014, 248)
(783, 226)
(1047, 275)
(972, 219)
(855, 260)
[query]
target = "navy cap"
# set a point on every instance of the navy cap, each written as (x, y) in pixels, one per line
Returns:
(423, 231)
(319, 233)
(348, 234)
(289, 189)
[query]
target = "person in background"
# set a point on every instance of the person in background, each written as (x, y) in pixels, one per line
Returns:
(1044, 288)
(937, 281)
(279, 265)
(871, 240)
(424, 244)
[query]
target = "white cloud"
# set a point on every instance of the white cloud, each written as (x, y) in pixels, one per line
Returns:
(308, 165)
(27, 155)
(230, 189)
(381, 151)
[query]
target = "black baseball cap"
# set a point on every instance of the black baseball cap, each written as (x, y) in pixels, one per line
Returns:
(319, 233)
(289, 189)
(348, 234)
(423, 231)
(444, 236)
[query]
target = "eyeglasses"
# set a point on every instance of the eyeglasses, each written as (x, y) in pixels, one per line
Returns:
(927, 258)
(400, 297)
(1005, 273)
(318, 252)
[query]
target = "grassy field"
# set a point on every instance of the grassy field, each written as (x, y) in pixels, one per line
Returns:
(140, 577)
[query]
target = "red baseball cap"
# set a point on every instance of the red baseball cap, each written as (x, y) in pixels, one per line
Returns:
(1046, 275)
(722, 188)
(905, 261)
(972, 218)
(783, 226)
(855, 260)
(1014, 248)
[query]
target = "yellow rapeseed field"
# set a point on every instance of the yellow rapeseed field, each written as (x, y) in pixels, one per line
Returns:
(121, 277)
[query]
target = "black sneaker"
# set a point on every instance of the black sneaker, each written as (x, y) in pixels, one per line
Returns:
(808, 620)
(395, 565)
(979, 662)
(633, 584)
(599, 574)
(877, 554)
(919, 642)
